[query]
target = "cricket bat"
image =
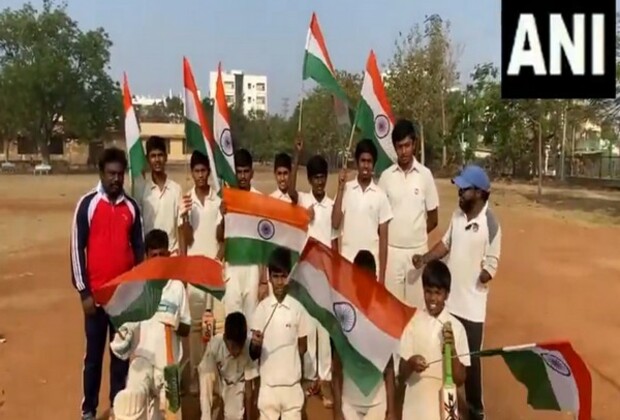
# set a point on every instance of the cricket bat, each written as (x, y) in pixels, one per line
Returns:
(448, 397)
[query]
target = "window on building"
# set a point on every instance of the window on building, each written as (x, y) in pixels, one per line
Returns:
(260, 87)
(230, 99)
(260, 100)
(187, 149)
(249, 99)
(229, 85)
(249, 85)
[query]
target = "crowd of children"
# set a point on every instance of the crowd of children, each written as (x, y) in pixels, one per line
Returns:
(271, 355)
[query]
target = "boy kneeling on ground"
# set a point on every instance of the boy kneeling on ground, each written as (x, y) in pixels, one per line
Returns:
(145, 343)
(225, 370)
(423, 340)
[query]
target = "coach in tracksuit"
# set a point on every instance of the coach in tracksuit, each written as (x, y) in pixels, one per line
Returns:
(106, 241)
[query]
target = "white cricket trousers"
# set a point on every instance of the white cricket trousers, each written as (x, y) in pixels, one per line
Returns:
(318, 358)
(402, 279)
(232, 395)
(375, 412)
(280, 402)
(241, 289)
(141, 373)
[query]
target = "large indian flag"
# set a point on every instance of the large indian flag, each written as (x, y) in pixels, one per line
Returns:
(135, 149)
(256, 224)
(197, 131)
(374, 115)
(224, 152)
(555, 376)
(135, 295)
(363, 319)
(318, 67)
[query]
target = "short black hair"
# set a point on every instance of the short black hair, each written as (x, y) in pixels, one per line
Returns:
(366, 146)
(156, 239)
(199, 158)
(280, 261)
(437, 274)
(236, 328)
(403, 129)
(317, 165)
(243, 158)
(282, 160)
(110, 155)
(156, 143)
(364, 259)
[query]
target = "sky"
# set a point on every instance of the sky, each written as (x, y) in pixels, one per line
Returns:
(268, 37)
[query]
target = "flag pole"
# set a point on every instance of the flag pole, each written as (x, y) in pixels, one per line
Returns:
(347, 151)
(301, 107)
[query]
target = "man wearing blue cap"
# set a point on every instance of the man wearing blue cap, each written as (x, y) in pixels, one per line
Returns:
(472, 245)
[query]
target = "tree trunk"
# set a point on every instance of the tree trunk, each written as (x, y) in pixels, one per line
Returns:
(422, 147)
(563, 145)
(7, 148)
(44, 150)
(444, 149)
(540, 162)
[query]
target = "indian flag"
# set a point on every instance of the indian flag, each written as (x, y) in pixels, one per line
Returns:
(135, 149)
(555, 376)
(197, 131)
(318, 67)
(256, 224)
(374, 115)
(224, 152)
(363, 319)
(135, 295)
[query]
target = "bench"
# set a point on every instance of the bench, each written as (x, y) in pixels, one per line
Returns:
(42, 169)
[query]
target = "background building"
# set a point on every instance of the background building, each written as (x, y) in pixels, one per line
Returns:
(249, 90)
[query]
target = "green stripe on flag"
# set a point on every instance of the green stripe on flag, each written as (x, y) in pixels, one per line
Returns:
(194, 137)
(361, 371)
(529, 369)
(137, 159)
(247, 251)
(223, 169)
(144, 307)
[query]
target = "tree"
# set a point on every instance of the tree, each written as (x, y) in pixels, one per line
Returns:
(58, 73)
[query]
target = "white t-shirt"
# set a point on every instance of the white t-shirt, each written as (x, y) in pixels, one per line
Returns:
(423, 336)
(205, 219)
(231, 370)
(474, 245)
(152, 341)
(280, 363)
(160, 208)
(321, 226)
(364, 211)
(411, 194)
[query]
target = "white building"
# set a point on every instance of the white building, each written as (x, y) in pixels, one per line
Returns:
(246, 89)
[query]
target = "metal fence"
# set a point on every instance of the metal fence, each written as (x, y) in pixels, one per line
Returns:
(593, 166)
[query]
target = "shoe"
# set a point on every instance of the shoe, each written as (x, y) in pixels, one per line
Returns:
(89, 416)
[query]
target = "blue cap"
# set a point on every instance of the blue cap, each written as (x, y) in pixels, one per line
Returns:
(473, 176)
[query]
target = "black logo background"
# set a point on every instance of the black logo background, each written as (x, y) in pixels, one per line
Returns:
(528, 86)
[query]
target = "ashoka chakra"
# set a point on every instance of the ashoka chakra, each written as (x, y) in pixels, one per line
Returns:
(346, 315)
(266, 229)
(382, 126)
(556, 363)
(226, 143)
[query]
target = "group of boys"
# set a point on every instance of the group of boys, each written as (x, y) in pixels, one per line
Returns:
(272, 355)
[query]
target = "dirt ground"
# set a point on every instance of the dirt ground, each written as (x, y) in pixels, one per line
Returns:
(559, 277)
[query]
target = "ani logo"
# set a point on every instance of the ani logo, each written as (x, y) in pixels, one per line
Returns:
(346, 315)
(266, 229)
(226, 143)
(382, 126)
(556, 364)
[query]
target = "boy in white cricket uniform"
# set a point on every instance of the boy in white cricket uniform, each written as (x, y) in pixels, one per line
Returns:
(318, 359)
(363, 211)
(279, 340)
(472, 245)
(423, 341)
(199, 217)
(224, 371)
(349, 402)
(413, 197)
(158, 195)
(145, 344)
(244, 283)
